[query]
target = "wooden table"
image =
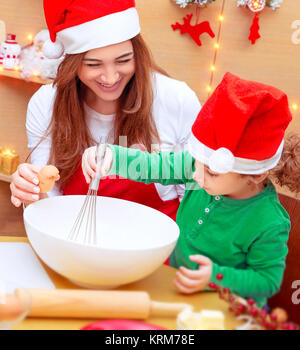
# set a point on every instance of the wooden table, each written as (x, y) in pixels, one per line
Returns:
(159, 285)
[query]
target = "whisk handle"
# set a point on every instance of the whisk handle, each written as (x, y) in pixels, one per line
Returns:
(101, 149)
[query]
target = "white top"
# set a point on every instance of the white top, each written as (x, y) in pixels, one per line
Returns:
(175, 107)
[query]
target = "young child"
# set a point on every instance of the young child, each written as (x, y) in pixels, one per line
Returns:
(231, 221)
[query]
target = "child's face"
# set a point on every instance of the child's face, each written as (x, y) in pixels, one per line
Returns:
(229, 184)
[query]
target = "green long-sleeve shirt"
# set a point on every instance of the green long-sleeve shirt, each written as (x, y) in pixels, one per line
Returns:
(245, 239)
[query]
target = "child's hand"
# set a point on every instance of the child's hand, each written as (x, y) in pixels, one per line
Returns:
(191, 281)
(89, 165)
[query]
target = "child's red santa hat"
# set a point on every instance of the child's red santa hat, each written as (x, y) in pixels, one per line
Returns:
(78, 26)
(241, 127)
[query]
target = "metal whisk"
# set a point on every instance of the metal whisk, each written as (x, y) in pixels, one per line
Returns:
(84, 228)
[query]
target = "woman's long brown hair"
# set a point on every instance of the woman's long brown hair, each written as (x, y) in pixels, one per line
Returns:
(134, 119)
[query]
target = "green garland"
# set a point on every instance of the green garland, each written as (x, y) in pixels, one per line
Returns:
(274, 4)
(184, 3)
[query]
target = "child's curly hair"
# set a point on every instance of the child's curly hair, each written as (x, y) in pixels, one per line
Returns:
(287, 171)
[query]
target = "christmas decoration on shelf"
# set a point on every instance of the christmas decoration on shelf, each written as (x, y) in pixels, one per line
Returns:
(10, 52)
(254, 317)
(34, 63)
(198, 28)
(28, 60)
(9, 161)
(256, 6)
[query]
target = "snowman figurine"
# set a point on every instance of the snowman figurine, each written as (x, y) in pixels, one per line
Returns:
(10, 52)
(1, 55)
(2, 38)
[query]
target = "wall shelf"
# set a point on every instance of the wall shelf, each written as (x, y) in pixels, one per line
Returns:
(5, 178)
(16, 75)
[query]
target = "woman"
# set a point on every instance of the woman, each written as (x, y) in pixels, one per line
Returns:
(107, 86)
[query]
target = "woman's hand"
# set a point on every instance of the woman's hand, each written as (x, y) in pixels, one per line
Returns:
(89, 164)
(191, 281)
(24, 186)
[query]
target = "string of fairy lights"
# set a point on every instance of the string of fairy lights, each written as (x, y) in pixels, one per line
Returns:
(217, 45)
(216, 49)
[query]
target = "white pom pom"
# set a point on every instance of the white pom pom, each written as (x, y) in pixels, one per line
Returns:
(41, 37)
(53, 50)
(221, 161)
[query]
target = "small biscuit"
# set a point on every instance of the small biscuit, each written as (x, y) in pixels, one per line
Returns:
(47, 177)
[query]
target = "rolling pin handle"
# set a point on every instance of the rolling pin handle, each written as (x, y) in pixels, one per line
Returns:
(165, 309)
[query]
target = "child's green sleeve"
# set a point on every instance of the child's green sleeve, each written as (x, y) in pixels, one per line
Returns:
(166, 168)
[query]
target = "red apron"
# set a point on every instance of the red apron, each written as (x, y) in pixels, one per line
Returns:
(124, 189)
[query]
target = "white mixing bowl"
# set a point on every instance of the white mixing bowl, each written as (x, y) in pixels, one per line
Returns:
(133, 240)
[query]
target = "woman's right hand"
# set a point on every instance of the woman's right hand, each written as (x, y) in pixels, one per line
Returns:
(24, 186)
(89, 164)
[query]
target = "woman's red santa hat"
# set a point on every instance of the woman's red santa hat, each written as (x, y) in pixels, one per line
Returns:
(241, 127)
(78, 26)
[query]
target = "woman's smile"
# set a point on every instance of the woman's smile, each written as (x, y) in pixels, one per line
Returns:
(109, 87)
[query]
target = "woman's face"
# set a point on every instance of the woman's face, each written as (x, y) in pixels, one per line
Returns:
(107, 70)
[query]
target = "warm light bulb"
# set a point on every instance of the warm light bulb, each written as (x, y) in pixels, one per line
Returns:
(29, 37)
(217, 45)
(212, 68)
(8, 152)
(295, 107)
(35, 73)
(221, 18)
(208, 88)
(16, 68)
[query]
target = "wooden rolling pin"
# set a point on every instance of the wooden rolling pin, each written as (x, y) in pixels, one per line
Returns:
(78, 303)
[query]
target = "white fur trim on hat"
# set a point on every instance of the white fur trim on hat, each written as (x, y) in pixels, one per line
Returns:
(53, 50)
(222, 162)
(108, 30)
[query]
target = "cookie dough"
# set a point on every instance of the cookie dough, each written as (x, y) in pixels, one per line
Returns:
(204, 320)
(47, 177)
